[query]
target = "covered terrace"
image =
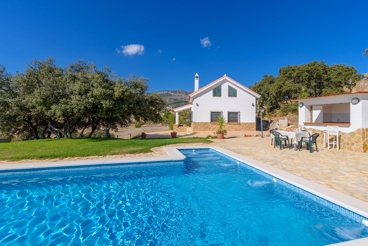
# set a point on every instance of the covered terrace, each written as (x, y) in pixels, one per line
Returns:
(347, 111)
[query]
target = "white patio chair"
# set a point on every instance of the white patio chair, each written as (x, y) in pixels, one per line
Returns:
(282, 124)
(332, 136)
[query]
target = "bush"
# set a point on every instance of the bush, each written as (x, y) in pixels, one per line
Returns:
(77, 135)
(288, 108)
(168, 119)
(138, 124)
(99, 134)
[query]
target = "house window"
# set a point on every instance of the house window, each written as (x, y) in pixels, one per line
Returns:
(232, 92)
(215, 115)
(233, 117)
(217, 91)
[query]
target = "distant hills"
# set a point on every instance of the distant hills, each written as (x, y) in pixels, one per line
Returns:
(175, 98)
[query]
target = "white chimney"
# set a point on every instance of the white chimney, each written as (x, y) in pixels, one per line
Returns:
(196, 82)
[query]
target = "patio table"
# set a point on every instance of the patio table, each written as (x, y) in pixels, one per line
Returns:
(296, 136)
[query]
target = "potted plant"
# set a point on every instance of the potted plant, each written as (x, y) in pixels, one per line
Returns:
(221, 127)
(173, 134)
(143, 135)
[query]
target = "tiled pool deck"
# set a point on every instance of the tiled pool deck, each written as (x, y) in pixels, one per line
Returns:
(343, 171)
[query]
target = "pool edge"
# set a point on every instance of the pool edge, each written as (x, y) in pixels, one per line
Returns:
(348, 202)
(173, 154)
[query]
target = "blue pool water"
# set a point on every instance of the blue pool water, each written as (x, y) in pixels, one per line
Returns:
(207, 200)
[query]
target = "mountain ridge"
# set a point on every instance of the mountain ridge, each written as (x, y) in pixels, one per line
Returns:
(174, 98)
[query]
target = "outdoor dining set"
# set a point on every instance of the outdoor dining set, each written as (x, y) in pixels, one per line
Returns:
(297, 138)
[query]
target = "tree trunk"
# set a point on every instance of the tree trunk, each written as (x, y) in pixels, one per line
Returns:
(57, 132)
(107, 131)
(67, 128)
(92, 131)
(94, 125)
(33, 131)
(44, 131)
(84, 128)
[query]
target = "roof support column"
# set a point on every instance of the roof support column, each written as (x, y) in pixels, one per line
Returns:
(176, 118)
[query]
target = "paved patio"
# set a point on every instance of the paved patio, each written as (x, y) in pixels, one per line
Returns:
(344, 171)
(341, 170)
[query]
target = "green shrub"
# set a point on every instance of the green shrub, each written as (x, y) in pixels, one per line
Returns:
(288, 108)
(77, 135)
(100, 134)
(137, 124)
(169, 119)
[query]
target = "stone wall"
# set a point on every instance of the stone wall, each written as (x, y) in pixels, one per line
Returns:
(213, 126)
(353, 141)
(182, 128)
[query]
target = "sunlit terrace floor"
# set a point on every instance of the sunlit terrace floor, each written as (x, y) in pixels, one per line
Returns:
(341, 170)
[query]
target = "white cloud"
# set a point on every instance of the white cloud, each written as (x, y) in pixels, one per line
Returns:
(131, 49)
(159, 52)
(174, 59)
(205, 42)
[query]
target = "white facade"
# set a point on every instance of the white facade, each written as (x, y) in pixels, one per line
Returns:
(205, 103)
(202, 101)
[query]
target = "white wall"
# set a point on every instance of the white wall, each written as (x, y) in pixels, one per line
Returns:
(304, 114)
(364, 110)
(317, 114)
(205, 103)
(359, 113)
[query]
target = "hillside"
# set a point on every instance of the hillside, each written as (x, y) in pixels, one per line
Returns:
(175, 98)
(361, 85)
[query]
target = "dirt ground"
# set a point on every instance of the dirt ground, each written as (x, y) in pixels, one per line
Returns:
(131, 131)
(158, 131)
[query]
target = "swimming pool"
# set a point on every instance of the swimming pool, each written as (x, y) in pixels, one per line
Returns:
(207, 199)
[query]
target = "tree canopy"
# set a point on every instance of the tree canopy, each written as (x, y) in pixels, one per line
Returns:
(309, 80)
(48, 99)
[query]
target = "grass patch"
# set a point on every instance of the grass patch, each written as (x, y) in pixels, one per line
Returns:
(63, 148)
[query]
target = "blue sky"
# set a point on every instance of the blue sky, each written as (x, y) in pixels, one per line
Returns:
(169, 41)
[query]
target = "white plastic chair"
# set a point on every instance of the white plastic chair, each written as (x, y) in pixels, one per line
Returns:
(332, 136)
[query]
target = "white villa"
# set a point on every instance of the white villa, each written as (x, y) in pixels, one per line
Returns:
(224, 96)
(347, 111)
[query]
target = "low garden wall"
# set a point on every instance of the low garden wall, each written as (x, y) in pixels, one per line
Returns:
(182, 128)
